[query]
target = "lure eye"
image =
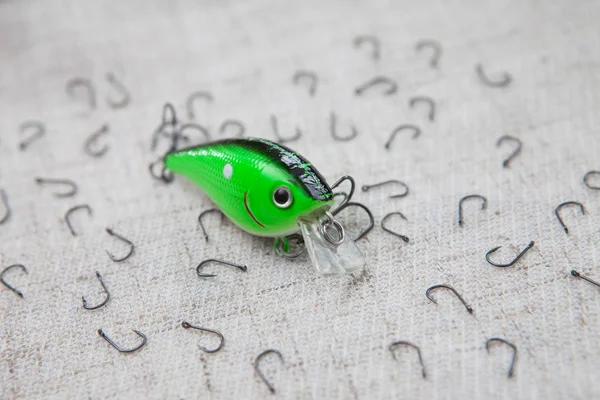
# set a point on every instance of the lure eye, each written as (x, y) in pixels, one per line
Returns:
(282, 197)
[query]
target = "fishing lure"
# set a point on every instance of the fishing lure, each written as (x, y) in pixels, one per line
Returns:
(269, 190)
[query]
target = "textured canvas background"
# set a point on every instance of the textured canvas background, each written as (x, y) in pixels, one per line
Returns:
(333, 332)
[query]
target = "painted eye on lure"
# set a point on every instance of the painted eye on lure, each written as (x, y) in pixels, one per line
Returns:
(269, 190)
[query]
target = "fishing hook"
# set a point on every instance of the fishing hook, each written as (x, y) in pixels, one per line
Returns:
(197, 127)
(333, 130)
(91, 92)
(349, 196)
(514, 153)
(169, 118)
(8, 212)
(567, 203)
(166, 176)
(416, 132)
(366, 188)
(280, 245)
(92, 139)
(280, 139)
(369, 213)
(40, 131)
(311, 76)
(359, 40)
(505, 81)
(405, 238)
(72, 192)
(105, 291)
(427, 100)
(437, 51)
(512, 346)
(122, 350)
(460, 205)
(585, 179)
(203, 213)
(405, 343)
(392, 87)
(73, 209)
(192, 99)
(238, 124)
(585, 278)
(17, 291)
(131, 246)
(187, 325)
(110, 77)
(513, 262)
(428, 294)
(242, 267)
(259, 372)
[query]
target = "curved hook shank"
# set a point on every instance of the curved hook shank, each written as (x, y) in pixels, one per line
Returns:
(428, 101)
(515, 153)
(241, 267)
(373, 41)
(405, 238)
(39, 131)
(428, 294)
(587, 177)
(512, 346)
(91, 141)
(307, 75)
(125, 97)
(281, 139)
(409, 344)
(187, 325)
(74, 83)
(567, 203)
(15, 290)
(8, 211)
(333, 130)
(122, 350)
(121, 238)
(416, 132)
(369, 213)
(105, 291)
(202, 214)
(185, 127)
(257, 366)
(461, 201)
(71, 211)
(435, 46)
(366, 188)
(513, 262)
(389, 84)
(192, 98)
(504, 81)
(350, 194)
(69, 193)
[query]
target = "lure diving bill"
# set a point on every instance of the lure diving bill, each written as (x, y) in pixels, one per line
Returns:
(269, 190)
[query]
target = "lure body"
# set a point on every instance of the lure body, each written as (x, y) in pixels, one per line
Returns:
(261, 186)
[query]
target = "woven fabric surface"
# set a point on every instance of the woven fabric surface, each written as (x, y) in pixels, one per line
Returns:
(333, 332)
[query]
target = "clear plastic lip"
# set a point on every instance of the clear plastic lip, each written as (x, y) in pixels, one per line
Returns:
(327, 258)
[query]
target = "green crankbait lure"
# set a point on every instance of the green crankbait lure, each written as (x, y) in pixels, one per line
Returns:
(268, 190)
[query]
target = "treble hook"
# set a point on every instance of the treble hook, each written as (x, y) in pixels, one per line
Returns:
(587, 183)
(350, 194)
(17, 291)
(505, 81)
(280, 139)
(333, 130)
(91, 93)
(259, 372)
(92, 139)
(72, 192)
(73, 209)
(405, 238)
(513, 262)
(131, 246)
(437, 50)
(512, 346)
(585, 278)
(312, 88)
(428, 294)
(460, 204)
(366, 188)
(427, 100)
(369, 213)
(202, 214)
(359, 40)
(240, 126)
(8, 211)
(242, 267)
(187, 325)
(195, 96)
(105, 291)
(567, 203)
(409, 344)
(416, 132)
(122, 350)
(514, 153)
(40, 131)
(392, 87)
(110, 77)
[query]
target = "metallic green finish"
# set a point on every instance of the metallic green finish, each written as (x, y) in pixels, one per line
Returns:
(241, 175)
